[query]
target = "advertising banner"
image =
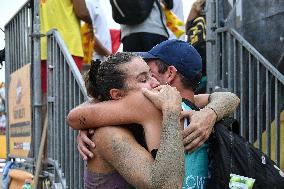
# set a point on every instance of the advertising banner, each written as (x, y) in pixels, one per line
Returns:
(20, 112)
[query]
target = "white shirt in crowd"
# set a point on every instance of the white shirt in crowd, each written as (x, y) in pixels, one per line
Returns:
(99, 21)
(2, 121)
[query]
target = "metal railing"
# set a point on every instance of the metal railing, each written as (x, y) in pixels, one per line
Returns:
(22, 42)
(17, 50)
(65, 91)
(18, 43)
(244, 71)
(235, 64)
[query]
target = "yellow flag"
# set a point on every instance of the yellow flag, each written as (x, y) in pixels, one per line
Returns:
(174, 23)
(88, 41)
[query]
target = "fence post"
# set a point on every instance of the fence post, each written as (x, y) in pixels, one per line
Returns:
(7, 81)
(36, 70)
(211, 45)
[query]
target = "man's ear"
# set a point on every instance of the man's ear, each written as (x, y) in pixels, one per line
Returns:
(115, 94)
(172, 72)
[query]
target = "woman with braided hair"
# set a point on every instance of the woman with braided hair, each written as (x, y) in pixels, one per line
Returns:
(123, 159)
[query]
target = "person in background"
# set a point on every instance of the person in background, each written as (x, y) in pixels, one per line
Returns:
(102, 46)
(196, 10)
(65, 16)
(2, 89)
(2, 116)
(142, 37)
(2, 57)
(2, 109)
(196, 32)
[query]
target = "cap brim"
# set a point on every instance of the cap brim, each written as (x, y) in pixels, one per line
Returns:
(146, 55)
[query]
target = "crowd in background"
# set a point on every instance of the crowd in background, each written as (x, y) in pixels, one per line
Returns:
(84, 22)
(2, 109)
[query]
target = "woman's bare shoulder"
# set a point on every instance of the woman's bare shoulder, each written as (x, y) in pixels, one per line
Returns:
(106, 135)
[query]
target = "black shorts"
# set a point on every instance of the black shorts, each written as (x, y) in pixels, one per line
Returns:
(141, 42)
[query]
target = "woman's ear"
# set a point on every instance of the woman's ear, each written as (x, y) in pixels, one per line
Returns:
(115, 94)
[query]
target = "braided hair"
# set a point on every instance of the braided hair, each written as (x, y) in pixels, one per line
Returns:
(107, 75)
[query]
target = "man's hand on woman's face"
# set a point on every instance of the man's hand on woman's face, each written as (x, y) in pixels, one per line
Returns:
(199, 129)
(84, 143)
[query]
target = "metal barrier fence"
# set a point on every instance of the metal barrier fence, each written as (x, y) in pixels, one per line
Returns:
(235, 64)
(244, 71)
(65, 91)
(17, 37)
(22, 43)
